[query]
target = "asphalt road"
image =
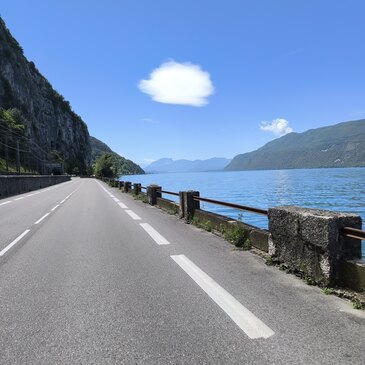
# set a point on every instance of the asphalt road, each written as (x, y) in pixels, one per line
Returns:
(104, 279)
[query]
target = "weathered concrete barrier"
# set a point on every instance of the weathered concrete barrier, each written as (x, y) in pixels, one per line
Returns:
(13, 185)
(168, 205)
(257, 237)
(310, 240)
(153, 192)
(188, 205)
(351, 274)
(127, 186)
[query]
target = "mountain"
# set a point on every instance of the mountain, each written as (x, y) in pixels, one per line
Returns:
(170, 165)
(340, 145)
(123, 166)
(41, 121)
(51, 124)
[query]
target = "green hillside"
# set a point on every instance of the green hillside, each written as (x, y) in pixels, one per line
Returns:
(340, 145)
(121, 165)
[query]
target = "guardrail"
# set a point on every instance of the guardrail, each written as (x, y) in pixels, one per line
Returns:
(353, 233)
(346, 231)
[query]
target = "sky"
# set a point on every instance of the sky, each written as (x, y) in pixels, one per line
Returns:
(196, 79)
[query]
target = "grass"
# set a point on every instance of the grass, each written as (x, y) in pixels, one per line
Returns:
(234, 234)
(356, 304)
(141, 197)
(309, 280)
(327, 290)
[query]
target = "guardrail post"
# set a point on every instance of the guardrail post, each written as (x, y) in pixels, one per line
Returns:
(309, 240)
(136, 188)
(188, 204)
(127, 186)
(153, 192)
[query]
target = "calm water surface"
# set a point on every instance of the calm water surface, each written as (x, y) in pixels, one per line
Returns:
(333, 189)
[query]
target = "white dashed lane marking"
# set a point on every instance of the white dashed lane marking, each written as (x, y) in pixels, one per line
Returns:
(157, 237)
(133, 215)
(40, 219)
(245, 320)
(8, 247)
(5, 202)
(55, 207)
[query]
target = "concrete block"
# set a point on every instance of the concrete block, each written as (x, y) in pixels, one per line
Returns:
(153, 192)
(188, 204)
(310, 240)
(127, 186)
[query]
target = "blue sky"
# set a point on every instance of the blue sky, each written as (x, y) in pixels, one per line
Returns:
(197, 79)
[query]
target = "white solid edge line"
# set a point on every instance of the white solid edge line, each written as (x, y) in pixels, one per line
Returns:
(157, 237)
(8, 247)
(29, 195)
(245, 320)
(22, 197)
(6, 202)
(122, 205)
(133, 215)
(55, 207)
(40, 219)
(116, 200)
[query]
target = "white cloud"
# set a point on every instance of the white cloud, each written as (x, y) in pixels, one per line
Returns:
(178, 83)
(147, 120)
(150, 160)
(278, 126)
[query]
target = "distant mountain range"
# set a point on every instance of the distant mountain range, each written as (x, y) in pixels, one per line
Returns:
(170, 165)
(124, 166)
(340, 145)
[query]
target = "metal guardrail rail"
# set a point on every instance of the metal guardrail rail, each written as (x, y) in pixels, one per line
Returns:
(346, 231)
(232, 205)
(353, 233)
(169, 192)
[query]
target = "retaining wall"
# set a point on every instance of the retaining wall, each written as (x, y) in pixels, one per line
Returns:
(13, 185)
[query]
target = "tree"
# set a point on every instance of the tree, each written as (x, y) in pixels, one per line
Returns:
(104, 166)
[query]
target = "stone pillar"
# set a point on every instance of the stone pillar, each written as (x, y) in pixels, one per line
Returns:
(181, 205)
(310, 240)
(153, 192)
(127, 186)
(136, 188)
(188, 204)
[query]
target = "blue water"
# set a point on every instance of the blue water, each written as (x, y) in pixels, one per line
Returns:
(333, 189)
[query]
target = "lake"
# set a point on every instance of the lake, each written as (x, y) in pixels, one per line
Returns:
(332, 189)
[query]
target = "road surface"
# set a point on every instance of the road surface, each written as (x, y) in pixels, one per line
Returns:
(88, 275)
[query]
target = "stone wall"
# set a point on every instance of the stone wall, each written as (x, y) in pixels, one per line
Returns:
(13, 185)
(310, 240)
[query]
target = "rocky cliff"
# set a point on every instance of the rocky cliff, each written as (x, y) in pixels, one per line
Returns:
(50, 122)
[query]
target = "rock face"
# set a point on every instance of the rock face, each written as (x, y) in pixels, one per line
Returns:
(309, 240)
(51, 123)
